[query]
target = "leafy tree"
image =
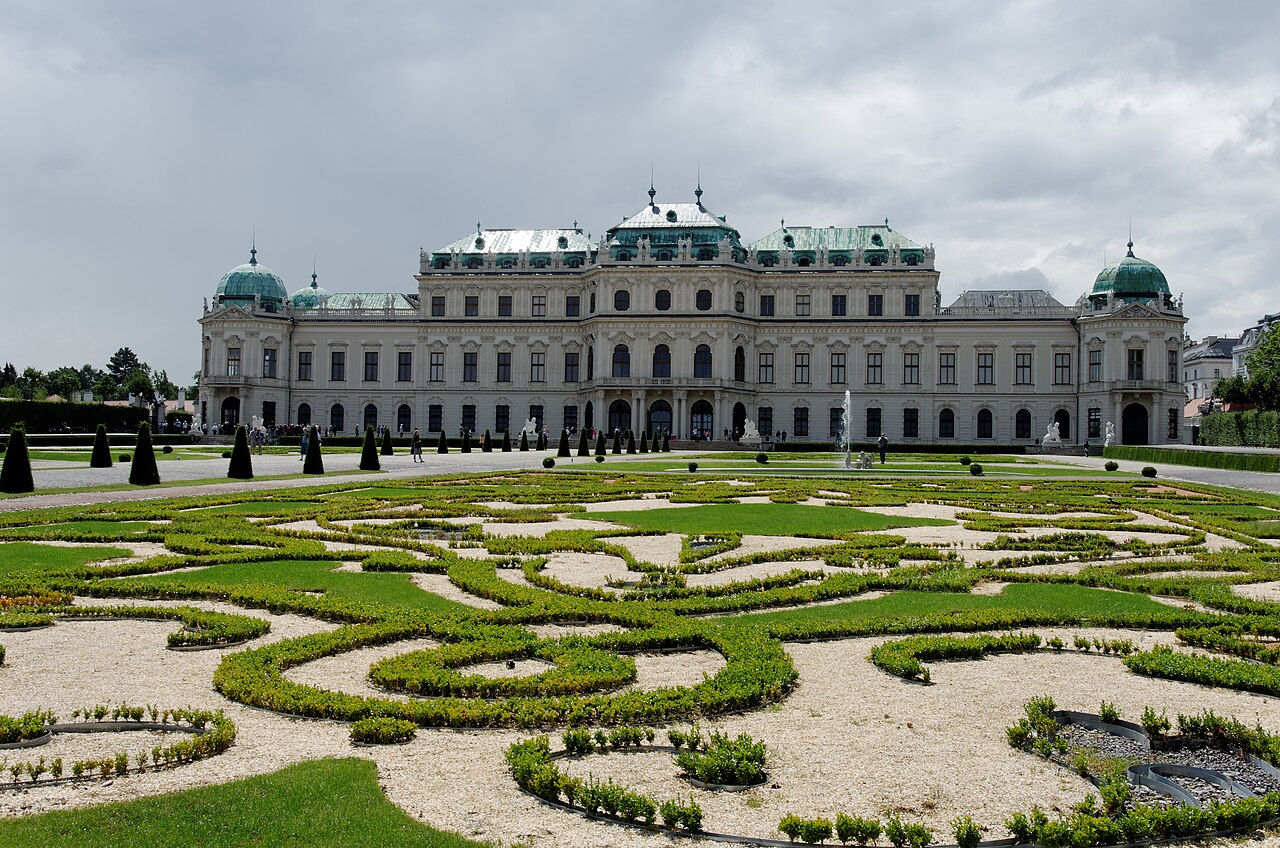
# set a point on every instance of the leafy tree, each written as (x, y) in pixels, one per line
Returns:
(241, 466)
(8, 375)
(64, 382)
(1233, 389)
(314, 463)
(193, 390)
(1263, 363)
(106, 388)
(15, 473)
(101, 449)
(369, 455)
(123, 363)
(163, 386)
(144, 471)
(139, 384)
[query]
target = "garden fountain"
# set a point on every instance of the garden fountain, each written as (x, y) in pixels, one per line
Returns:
(846, 429)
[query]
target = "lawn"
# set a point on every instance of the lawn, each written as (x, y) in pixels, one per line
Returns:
(20, 558)
(118, 529)
(315, 804)
(763, 519)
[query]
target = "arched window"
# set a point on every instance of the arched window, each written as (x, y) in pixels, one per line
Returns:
(984, 424)
(706, 254)
(663, 256)
(621, 361)
(371, 416)
(662, 361)
(621, 300)
(704, 300)
(304, 414)
(702, 361)
(404, 418)
(740, 364)
(946, 424)
(619, 416)
(1022, 424)
(840, 260)
(804, 262)
(591, 362)
(592, 305)
(659, 417)
(739, 303)
(662, 300)
(701, 420)
(337, 418)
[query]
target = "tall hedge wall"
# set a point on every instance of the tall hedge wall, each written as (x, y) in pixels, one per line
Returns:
(1254, 428)
(44, 416)
(1199, 458)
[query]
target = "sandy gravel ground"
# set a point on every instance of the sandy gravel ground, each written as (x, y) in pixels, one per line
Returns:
(440, 584)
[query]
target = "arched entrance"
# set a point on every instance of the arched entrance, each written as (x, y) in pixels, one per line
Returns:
(619, 415)
(589, 416)
(659, 416)
(370, 416)
(739, 419)
(231, 411)
(1063, 419)
(1134, 427)
(701, 420)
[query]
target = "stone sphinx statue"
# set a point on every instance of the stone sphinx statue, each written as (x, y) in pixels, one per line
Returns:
(1052, 435)
(1110, 438)
(749, 431)
(530, 428)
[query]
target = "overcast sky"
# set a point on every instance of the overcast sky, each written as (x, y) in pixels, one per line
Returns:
(143, 143)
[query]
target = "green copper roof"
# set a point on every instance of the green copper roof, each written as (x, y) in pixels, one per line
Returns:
(876, 237)
(1131, 278)
(247, 281)
(309, 297)
(518, 241)
(370, 301)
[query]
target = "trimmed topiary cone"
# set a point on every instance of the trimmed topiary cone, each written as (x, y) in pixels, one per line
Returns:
(631, 442)
(488, 442)
(466, 442)
(563, 449)
(542, 441)
(443, 446)
(241, 465)
(369, 454)
(600, 449)
(524, 440)
(644, 441)
(666, 443)
(314, 463)
(506, 441)
(15, 474)
(144, 471)
(101, 449)
(617, 442)
(387, 448)
(584, 446)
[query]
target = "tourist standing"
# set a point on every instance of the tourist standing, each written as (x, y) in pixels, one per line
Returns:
(883, 445)
(415, 447)
(302, 446)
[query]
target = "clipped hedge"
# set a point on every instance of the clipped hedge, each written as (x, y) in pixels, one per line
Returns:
(1198, 458)
(1254, 427)
(51, 416)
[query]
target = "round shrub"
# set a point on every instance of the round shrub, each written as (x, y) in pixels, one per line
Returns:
(762, 458)
(226, 454)
(599, 459)
(964, 460)
(975, 469)
(382, 731)
(167, 449)
(1148, 471)
(693, 466)
(548, 463)
(124, 457)
(1112, 465)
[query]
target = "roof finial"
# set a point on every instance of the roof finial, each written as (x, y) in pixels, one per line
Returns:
(697, 192)
(477, 228)
(886, 223)
(313, 271)
(253, 246)
(1130, 253)
(652, 193)
(784, 223)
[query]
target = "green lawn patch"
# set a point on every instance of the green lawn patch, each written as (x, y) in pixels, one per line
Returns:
(316, 804)
(263, 507)
(119, 529)
(762, 519)
(28, 557)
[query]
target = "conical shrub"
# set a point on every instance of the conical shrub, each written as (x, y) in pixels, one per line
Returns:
(644, 441)
(563, 448)
(144, 472)
(387, 448)
(101, 449)
(15, 474)
(584, 444)
(506, 441)
(466, 442)
(666, 443)
(241, 465)
(443, 446)
(542, 441)
(488, 442)
(369, 454)
(524, 440)
(600, 443)
(314, 463)
(631, 442)
(617, 441)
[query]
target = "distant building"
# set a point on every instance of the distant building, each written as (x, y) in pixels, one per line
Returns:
(670, 321)
(1248, 341)
(1204, 363)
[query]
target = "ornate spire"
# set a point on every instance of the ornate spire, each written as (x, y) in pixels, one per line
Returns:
(253, 247)
(314, 284)
(1130, 253)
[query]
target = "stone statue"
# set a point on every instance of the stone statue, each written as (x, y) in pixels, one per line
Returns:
(255, 422)
(1052, 435)
(749, 431)
(1111, 435)
(530, 428)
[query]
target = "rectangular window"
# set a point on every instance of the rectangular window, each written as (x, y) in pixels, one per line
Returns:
(233, 362)
(802, 368)
(539, 306)
(766, 368)
(913, 305)
(572, 305)
(1062, 369)
(947, 369)
(1136, 357)
(1173, 366)
(910, 369)
(875, 368)
(1022, 369)
(839, 305)
(501, 418)
(471, 306)
(571, 418)
(469, 417)
(766, 305)
(802, 305)
(470, 366)
(504, 306)
(404, 366)
(437, 367)
(836, 423)
(337, 366)
(873, 422)
(535, 412)
(765, 425)
(371, 366)
(1095, 422)
(571, 366)
(269, 413)
(986, 369)
(838, 368)
(435, 417)
(504, 366)
(875, 304)
(1174, 415)
(437, 306)
(538, 367)
(1095, 366)
(269, 356)
(800, 421)
(304, 365)
(910, 423)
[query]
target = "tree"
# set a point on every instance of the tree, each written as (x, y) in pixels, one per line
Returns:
(584, 444)
(666, 443)
(1263, 363)
(105, 388)
(506, 441)
(466, 442)
(617, 441)
(644, 441)
(144, 471)
(487, 447)
(1233, 389)
(563, 449)
(524, 440)
(64, 382)
(600, 443)
(101, 449)
(314, 463)
(8, 375)
(163, 387)
(387, 448)
(123, 363)
(369, 455)
(443, 447)
(15, 473)
(241, 465)
(139, 384)
(631, 441)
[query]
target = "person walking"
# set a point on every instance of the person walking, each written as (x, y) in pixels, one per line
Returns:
(302, 446)
(883, 445)
(415, 447)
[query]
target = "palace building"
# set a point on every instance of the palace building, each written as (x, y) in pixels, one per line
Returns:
(671, 321)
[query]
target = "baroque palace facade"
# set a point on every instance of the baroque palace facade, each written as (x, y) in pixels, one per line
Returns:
(670, 321)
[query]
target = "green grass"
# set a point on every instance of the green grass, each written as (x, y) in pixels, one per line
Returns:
(175, 484)
(28, 558)
(395, 590)
(1068, 598)
(378, 492)
(112, 528)
(262, 507)
(762, 519)
(316, 804)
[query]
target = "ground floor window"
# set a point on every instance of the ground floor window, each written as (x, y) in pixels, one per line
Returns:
(837, 422)
(571, 418)
(986, 426)
(765, 422)
(1022, 424)
(501, 418)
(404, 418)
(469, 417)
(435, 417)
(304, 414)
(1095, 422)
(337, 418)
(1174, 415)
(800, 421)
(910, 423)
(947, 424)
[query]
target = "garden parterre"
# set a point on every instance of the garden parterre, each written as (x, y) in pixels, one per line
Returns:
(792, 559)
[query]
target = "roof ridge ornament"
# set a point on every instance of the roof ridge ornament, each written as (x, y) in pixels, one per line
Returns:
(253, 246)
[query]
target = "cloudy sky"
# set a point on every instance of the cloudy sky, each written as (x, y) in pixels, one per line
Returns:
(144, 142)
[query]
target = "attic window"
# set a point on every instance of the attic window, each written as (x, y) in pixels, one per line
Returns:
(912, 259)
(479, 243)
(671, 215)
(788, 241)
(875, 238)
(562, 242)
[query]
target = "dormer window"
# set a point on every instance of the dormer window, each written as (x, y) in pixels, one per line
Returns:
(803, 261)
(840, 260)
(663, 256)
(473, 262)
(788, 240)
(912, 259)
(575, 262)
(875, 260)
(671, 215)
(562, 242)
(479, 243)
(875, 239)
